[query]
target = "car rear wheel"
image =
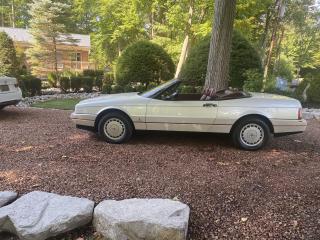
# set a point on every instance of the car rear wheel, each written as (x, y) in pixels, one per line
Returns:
(115, 128)
(251, 134)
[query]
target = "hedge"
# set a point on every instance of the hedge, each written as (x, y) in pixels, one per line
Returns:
(29, 85)
(243, 58)
(144, 62)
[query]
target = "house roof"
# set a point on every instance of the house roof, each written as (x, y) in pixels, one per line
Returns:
(22, 35)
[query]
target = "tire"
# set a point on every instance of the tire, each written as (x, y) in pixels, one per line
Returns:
(115, 127)
(251, 134)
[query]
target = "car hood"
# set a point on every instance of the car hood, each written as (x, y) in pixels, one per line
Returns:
(110, 98)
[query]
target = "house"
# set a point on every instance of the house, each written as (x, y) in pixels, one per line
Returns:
(73, 57)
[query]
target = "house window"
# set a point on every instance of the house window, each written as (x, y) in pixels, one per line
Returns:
(76, 57)
(76, 60)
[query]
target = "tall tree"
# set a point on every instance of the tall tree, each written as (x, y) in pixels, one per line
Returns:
(8, 58)
(47, 30)
(220, 47)
(186, 42)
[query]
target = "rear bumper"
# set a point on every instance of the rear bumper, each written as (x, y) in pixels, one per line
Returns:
(286, 127)
(10, 98)
(9, 103)
(85, 120)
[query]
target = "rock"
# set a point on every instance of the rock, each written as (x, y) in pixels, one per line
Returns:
(40, 215)
(142, 219)
(7, 197)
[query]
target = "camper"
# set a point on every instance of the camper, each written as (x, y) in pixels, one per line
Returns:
(10, 93)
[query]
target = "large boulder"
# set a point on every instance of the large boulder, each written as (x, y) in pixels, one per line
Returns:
(142, 219)
(40, 215)
(7, 197)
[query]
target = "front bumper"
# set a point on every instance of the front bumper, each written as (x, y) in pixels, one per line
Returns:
(87, 120)
(289, 126)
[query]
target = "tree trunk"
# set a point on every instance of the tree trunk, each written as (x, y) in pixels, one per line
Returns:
(220, 47)
(13, 14)
(186, 45)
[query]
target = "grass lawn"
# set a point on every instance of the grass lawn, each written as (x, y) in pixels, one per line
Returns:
(62, 104)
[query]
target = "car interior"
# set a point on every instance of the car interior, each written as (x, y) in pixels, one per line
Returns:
(173, 94)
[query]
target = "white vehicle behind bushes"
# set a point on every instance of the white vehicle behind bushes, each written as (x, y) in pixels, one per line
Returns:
(10, 93)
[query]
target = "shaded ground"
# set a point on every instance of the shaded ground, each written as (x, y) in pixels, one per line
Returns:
(233, 194)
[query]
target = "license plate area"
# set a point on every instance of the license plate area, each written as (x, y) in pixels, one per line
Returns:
(4, 88)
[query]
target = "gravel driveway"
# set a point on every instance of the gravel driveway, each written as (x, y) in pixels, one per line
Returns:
(233, 194)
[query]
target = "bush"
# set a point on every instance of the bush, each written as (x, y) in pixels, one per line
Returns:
(30, 85)
(87, 83)
(52, 79)
(285, 69)
(64, 84)
(8, 57)
(97, 75)
(243, 58)
(144, 62)
(117, 89)
(75, 83)
(254, 80)
(314, 91)
(188, 89)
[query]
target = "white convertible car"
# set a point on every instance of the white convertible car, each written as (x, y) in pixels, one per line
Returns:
(250, 118)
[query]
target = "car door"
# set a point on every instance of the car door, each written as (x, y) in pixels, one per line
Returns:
(171, 115)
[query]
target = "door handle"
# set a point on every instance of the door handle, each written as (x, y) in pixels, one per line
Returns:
(210, 105)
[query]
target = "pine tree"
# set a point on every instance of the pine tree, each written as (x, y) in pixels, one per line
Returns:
(8, 58)
(48, 30)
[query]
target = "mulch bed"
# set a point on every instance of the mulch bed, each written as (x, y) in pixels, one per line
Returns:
(269, 194)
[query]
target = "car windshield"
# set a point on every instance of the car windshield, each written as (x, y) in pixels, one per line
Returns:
(153, 91)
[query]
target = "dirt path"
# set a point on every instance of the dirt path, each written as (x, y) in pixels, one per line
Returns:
(233, 194)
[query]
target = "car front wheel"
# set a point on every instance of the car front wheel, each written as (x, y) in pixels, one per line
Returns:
(251, 134)
(115, 127)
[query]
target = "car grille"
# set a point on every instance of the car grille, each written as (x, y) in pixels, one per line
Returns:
(4, 88)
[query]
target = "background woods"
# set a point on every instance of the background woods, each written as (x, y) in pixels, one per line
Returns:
(284, 34)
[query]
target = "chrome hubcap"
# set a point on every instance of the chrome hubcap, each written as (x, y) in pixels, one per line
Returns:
(114, 128)
(252, 135)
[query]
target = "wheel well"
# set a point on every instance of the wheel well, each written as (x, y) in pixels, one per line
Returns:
(263, 118)
(110, 111)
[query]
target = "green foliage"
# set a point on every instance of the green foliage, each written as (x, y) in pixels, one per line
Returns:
(87, 83)
(8, 58)
(30, 85)
(64, 84)
(243, 58)
(52, 79)
(285, 69)
(117, 89)
(254, 80)
(97, 75)
(314, 91)
(76, 83)
(144, 62)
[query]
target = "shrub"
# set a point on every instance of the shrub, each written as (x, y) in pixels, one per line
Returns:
(52, 79)
(314, 91)
(30, 85)
(140, 88)
(243, 58)
(97, 75)
(117, 89)
(64, 84)
(285, 69)
(144, 62)
(188, 89)
(254, 80)
(75, 83)
(87, 83)
(8, 57)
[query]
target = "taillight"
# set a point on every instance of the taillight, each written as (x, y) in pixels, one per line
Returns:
(300, 114)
